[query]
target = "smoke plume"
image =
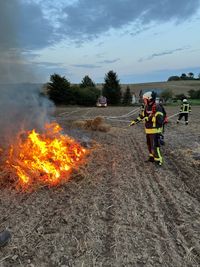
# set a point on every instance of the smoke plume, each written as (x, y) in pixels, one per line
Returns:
(21, 104)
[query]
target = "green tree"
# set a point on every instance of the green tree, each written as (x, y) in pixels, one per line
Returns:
(183, 76)
(58, 90)
(166, 95)
(111, 88)
(191, 75)
(87, 82)
(127, 96)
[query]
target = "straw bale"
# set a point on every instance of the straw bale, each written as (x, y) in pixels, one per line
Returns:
(104, 127)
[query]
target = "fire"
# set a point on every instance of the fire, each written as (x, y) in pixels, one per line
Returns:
(46, 158)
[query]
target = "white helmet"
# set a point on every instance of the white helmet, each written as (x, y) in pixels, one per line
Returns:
(184, 100)
(149, 96)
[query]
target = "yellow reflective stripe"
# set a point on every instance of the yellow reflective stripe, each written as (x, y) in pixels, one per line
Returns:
(153, 130)
(154, 121)
(159, 113)
(159, 155)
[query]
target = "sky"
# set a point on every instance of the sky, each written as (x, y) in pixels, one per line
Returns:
(141, 40)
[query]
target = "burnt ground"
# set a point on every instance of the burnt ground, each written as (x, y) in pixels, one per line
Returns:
(116, 210)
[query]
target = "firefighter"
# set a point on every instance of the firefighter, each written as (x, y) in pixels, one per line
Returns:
(154, 118)
(5, 237)
(184, 111)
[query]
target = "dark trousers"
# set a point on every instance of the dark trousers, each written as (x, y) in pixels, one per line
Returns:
(181, 115)
(153, 144)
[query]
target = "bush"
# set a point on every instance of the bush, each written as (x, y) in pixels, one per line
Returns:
(86, 96)
(166, 95)
(180, 96)
(194, 94)
(173, 78)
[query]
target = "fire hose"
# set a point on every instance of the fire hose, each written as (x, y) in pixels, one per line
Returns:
(143, 118)
(124, 115)
(173, 115)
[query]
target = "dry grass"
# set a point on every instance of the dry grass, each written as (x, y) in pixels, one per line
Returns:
(96, 124)
(177, 87)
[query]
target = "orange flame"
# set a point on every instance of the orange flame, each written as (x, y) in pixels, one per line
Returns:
(46, 158)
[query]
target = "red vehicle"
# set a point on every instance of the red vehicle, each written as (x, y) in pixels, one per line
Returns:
(102, 101)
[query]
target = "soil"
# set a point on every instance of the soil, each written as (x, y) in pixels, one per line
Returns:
(116, 210)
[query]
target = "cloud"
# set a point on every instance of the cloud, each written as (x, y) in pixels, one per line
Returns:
(107, 61)
(164, 53)
(49, 65)
(87, 19)
(23, 25)
(35, 24)
(86, 66)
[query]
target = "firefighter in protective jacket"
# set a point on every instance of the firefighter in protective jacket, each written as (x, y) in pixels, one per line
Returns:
(153, 117)
(184, 111)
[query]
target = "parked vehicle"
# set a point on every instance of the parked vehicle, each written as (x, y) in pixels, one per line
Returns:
(102, 101)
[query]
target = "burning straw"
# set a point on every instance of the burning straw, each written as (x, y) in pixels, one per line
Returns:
(47, 158)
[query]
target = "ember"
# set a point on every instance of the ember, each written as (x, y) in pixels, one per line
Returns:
(46, 158)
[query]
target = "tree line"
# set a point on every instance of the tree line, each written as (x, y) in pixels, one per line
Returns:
(184, 77)
(167, 94)
(62, 92)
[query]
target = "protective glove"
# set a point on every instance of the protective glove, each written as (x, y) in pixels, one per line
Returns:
(132, 123)
(166, 120)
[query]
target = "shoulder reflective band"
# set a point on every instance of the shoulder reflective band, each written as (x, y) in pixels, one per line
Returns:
(159, 113)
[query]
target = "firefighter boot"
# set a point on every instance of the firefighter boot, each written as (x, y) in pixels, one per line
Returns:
(5, 237)
(150, 159)
(158, 163)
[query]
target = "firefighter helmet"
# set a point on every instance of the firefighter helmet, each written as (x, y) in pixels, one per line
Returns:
(184, 100)
(149, 96)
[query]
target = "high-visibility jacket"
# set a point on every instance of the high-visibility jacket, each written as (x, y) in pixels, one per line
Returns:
(153, 117)
(185, 108)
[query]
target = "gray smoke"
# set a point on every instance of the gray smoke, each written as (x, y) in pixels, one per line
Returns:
(21, 105)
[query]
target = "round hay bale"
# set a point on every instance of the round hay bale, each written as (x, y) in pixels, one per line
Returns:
(98, 120)
(79, 124)
(88, 124)
(96, 123)
(104, 127)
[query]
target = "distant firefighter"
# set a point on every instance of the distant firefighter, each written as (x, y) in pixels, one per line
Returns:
(184, 111)
(153, 116)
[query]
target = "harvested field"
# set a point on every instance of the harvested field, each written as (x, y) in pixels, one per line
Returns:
(116, 210)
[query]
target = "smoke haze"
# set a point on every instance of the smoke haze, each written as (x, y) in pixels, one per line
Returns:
(21, 105)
